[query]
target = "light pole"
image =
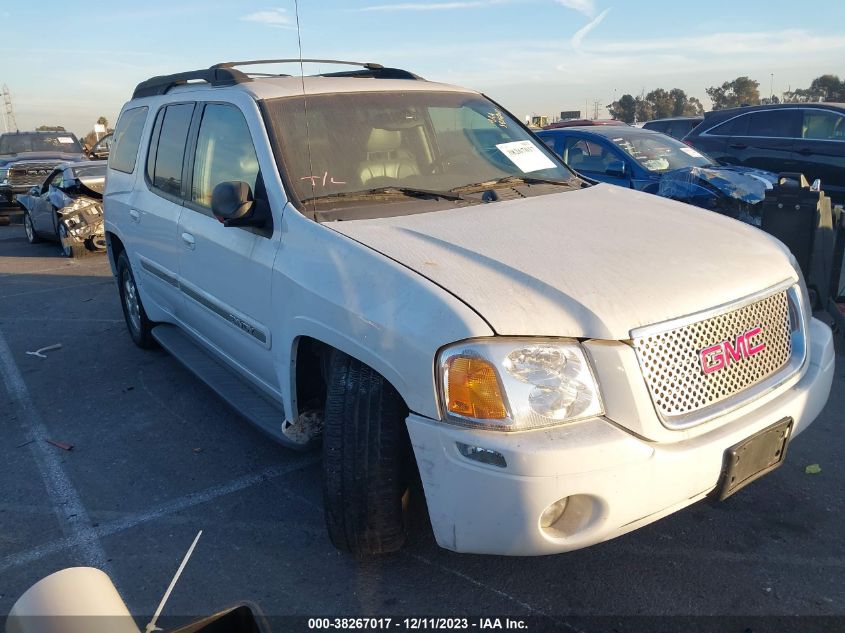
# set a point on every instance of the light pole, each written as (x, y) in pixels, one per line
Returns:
(771, 87)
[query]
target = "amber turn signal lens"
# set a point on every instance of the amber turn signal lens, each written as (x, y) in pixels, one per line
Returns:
(472, 389)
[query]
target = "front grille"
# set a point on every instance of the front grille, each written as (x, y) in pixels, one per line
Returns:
(30, 174)
(673, 368)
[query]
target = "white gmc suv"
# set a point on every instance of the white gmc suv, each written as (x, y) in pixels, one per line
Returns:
(401, 270)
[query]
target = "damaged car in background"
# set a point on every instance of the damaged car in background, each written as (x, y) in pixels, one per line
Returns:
(68, 208)
(27, 158)
(657, 163)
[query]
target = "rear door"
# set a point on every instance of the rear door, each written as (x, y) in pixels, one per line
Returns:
(226, 272)
(820, 152)
(155, 206)
(765, 139)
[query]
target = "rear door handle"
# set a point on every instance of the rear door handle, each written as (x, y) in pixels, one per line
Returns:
(805, 151)
(135, 215)
(189, 240)
(738, 145)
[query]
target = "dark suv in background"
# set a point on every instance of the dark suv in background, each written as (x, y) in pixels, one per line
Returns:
(27, 158)
(676, 127)
(794, 137)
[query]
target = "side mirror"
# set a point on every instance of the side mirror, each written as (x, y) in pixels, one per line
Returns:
(35, 191)
(233, 203)
(616, 169)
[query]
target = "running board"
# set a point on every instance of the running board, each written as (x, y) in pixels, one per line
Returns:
(241, 396)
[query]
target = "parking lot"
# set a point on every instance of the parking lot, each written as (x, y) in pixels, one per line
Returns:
(156, 457)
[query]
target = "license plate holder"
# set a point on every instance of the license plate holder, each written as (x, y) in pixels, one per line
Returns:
(754, 457)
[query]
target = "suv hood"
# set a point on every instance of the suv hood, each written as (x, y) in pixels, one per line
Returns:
(595, 263)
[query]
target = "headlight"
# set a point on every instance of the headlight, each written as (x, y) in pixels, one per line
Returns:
(517, 384)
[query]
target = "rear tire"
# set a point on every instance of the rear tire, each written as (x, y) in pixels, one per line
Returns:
(31, 235)
(367, 462)
(139, 326)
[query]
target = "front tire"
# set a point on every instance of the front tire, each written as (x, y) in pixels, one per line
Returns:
(139, 326)
(367, 463)
(69, 250)
(29, 229)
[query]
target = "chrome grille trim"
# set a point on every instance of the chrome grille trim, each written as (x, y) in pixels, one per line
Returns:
(668, 354)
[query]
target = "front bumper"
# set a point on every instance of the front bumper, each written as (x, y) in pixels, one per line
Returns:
(615, 481)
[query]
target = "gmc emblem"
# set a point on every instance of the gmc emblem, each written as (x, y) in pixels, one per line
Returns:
(722, 354)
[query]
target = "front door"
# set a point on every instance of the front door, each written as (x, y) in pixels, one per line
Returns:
(226, 272)
(820, 152)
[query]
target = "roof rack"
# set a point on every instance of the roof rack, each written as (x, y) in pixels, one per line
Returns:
(370, 69)
(225, 74)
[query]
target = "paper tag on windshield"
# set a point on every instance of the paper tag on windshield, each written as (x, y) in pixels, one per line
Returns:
(66, 140)
(690, 152)
(525, 155)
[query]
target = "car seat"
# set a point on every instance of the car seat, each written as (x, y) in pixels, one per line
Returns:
(386, 160)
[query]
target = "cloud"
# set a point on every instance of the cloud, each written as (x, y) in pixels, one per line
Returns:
(277, 18)
(424, 6)
(587, 7)
(581, 33)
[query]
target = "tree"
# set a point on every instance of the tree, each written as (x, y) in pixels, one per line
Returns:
(103, 121)
(731, 94)
(624, 109)
(657, 104)
(823, 88)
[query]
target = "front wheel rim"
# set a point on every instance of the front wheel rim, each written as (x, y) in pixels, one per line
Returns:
(130, 302)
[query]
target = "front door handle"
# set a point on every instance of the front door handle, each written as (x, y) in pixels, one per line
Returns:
(135, 215)
(805, 151)
(738, 145)
(189, 240)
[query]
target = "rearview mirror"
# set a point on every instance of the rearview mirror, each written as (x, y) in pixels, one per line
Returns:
(615, 169)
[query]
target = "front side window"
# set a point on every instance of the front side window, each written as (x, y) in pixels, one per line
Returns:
(165, 169)
(224, 152)
(584, 155)
(127, 138)
(438, 141)
(823, 125)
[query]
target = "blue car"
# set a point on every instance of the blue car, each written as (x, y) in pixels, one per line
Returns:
(657, 163)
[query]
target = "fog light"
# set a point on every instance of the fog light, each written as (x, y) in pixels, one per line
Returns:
(552, 514)
(483, 455)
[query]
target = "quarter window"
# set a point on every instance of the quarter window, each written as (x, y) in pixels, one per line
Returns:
(127, 138)
(224, 152)
(823, 125)
(164, 168)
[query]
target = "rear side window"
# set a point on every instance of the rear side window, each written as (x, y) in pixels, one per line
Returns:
(127, 138)
(772, 123)
(224, 152)
(164, 164)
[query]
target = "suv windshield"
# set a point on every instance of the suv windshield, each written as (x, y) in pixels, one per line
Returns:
(657, 152)
(24, 142)
(403, 141)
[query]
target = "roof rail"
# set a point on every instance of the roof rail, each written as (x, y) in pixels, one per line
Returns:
(370, 69)
(226, 74)
(215, 76)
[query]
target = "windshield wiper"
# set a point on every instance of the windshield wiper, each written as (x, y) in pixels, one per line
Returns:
(408, 191)
(528, 180)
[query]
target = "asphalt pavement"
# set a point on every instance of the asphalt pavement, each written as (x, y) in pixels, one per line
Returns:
(156, 456)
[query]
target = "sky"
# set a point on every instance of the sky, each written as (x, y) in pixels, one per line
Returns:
(532, 56)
